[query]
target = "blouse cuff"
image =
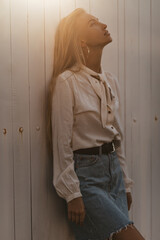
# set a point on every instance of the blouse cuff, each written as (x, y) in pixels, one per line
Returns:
(128, 189)
(72, 196)
(129, 185)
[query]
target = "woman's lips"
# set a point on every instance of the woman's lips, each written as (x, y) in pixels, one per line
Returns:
(106, 33)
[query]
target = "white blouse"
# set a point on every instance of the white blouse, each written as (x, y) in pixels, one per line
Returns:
(85, 113)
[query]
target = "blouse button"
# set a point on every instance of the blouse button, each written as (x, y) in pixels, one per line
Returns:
(112, 127)
(109, 111)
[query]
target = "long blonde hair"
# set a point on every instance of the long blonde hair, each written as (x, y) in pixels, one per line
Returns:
(67, 52)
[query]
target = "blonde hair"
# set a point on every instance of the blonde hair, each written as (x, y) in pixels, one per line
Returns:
(67, 52)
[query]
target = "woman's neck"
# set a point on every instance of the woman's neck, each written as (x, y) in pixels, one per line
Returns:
(93, 61)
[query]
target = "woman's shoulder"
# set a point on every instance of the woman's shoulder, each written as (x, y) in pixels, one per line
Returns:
(67, 74)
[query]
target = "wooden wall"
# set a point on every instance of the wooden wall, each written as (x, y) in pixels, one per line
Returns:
(29, 206)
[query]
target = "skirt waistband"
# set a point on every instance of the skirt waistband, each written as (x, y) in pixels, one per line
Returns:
(103, 149)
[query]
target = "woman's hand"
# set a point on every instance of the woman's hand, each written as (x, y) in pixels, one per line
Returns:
(76, 210)
(129, 200)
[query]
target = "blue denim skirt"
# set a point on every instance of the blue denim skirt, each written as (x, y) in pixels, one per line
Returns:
(104, 196)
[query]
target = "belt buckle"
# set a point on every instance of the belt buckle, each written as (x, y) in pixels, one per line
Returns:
(113, 147)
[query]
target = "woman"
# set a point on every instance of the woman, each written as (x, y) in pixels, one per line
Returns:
(90, 170)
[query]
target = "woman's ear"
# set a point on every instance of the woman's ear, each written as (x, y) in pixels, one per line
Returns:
(83, 44)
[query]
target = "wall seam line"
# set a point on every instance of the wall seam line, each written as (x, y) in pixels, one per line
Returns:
(14, 217)
(151, 108)
(29, 123)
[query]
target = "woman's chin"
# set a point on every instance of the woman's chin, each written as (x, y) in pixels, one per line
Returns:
(109, 40)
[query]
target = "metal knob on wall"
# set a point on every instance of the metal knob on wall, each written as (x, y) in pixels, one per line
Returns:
(37, 128)
(4, 131)
(156, 118)
(21, 129)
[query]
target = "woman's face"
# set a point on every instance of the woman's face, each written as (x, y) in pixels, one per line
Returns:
(93, 32)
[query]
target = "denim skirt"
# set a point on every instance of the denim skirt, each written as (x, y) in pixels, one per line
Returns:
(104, 196)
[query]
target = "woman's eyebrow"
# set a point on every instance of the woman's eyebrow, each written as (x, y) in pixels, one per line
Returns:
(93, 19)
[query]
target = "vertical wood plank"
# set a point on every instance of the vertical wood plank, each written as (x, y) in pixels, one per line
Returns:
(121, 50)
(155, 114)
(52, 17)
(121, 77)
(106, 11)
(20, 106)
(37, 97)
(132, 102)
(127, 79)
(145, 117)
(6, 147)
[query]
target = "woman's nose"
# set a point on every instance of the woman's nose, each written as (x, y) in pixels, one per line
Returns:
(104, 25)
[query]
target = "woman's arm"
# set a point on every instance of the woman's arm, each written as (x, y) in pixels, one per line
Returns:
(121, 156)
(120, 150)
(64, 177)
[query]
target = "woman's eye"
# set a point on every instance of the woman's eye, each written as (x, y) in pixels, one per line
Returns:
(93, 23)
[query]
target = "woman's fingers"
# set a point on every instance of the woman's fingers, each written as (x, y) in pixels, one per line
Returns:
(129, 200)
(73, 217)
(77, 218)
(76, 211)
(69, 215)
(82, 217)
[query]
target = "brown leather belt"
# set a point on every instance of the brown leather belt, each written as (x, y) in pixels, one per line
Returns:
(104, 149)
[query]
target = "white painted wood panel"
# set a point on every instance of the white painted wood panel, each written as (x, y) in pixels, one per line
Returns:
(6, 147)
(145, 117)
(37, 118)
(20, 108)
(121, 55)
(155, 117)
(132, 100)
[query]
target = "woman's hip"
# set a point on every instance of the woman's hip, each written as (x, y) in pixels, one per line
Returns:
(99, 171)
